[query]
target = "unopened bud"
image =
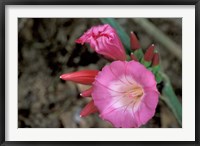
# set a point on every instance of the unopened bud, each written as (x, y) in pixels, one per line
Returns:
(148, 56)
(134, 41)
(155, 59)
(133, 57)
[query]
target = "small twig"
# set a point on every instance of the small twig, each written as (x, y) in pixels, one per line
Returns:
(163, 39)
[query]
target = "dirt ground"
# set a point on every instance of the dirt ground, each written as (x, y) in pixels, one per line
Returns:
(47, 49)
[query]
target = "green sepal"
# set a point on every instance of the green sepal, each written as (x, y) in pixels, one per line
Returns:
(150, 68)
(155, 69)
(139, 54)
(128, 58)
(145, 63)
(158, 78)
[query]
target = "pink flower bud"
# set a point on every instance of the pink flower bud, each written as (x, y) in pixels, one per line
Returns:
(88, 109)
(156, 59)
(134, 41)
(148, 56)
(84, 76)
(105, 41)
(87, 92)
(133, 57)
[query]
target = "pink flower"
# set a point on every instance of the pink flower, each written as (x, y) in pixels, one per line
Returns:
(125, 94)
(105, 41)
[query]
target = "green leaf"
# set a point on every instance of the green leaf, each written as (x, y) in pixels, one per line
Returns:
(122, 34)
(171, 99)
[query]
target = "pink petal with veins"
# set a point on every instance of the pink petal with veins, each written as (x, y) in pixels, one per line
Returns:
(125, 94)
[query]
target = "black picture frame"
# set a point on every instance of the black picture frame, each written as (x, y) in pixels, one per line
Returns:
(4, 3)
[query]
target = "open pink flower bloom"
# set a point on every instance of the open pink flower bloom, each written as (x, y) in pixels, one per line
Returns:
(125, 94)
(105, 41)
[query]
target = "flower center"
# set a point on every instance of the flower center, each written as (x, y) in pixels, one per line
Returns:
(128, 90)
(136, 92)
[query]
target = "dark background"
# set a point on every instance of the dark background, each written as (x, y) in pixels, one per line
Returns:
(47, 49)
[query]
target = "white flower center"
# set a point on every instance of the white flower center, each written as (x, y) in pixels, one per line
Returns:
(136, 92)
(126, 92)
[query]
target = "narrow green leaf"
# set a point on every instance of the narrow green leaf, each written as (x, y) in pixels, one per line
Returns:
(171, 99)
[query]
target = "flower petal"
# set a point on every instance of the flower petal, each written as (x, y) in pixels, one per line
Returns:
(140, 74)
(144, 114)
(151, 99)
(114, 115)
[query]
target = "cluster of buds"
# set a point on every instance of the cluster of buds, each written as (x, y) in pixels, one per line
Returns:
(150, 59)
(85, 77)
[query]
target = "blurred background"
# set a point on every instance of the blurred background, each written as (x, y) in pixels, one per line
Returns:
(47, 49)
